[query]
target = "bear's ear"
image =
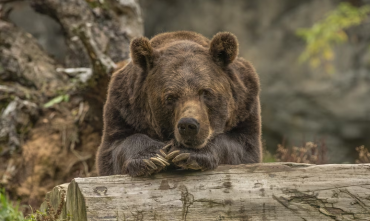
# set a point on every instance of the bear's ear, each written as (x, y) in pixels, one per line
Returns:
(142, 53)
(224, 48)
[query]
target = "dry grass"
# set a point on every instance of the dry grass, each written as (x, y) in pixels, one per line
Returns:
(363, 155)
(51, 214)
(310, 152)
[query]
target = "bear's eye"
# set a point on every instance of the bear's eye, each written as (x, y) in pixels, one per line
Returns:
(205, 93)
(170, 99)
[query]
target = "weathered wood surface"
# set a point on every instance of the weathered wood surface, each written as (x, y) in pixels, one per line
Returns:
(273, 191)
(54, 198)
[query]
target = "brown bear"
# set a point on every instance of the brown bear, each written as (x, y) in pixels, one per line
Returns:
(183, 101)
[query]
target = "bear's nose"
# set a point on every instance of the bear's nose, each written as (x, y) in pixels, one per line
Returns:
(188, 126)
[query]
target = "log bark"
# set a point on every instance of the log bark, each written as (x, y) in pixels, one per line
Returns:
(273, 191)
(55, 199)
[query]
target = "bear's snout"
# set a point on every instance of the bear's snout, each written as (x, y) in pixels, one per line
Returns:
(192, 130)
(188, 127)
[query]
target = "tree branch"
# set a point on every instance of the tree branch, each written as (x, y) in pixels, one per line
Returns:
(101, 63)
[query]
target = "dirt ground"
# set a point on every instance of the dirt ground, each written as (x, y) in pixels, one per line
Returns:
(60, 147)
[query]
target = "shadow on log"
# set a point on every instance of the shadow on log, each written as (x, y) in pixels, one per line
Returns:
(272, 191)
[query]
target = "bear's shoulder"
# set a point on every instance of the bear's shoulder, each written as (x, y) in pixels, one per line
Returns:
(164, 39)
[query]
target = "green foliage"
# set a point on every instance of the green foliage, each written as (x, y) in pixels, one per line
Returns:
(98, 4)
(324, 35)
(268, 157)
(37, 216)
(56, 100)
(8, 211)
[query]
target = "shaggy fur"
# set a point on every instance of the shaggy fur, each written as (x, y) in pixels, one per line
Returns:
(175, 76)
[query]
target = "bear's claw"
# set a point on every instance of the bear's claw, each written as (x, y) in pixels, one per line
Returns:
(167, 146)
(194, 166)
(180, 157)
(158, 161)
(150, 164)
(172, 155)
(163, 160)
(163, 153)
(184, 161)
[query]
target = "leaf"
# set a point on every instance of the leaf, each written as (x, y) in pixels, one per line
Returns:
(315, 62)
(56, 100)
(328, 54)
(324, 35)
(66, 98)
(341, 36)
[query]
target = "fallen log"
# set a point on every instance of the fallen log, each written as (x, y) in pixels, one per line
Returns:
(271, 191)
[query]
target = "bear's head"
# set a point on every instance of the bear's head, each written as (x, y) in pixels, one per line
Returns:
(188, 86)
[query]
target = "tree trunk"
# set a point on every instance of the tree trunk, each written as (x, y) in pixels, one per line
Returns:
(51, 110)
(273, 191)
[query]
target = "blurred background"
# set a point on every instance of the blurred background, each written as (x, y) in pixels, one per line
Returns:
(56, 57)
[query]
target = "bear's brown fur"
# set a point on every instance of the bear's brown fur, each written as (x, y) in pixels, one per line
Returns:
(183, 100)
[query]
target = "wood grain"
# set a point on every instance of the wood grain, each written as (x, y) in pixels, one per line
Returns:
(273, 191)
